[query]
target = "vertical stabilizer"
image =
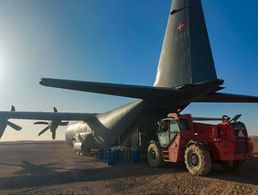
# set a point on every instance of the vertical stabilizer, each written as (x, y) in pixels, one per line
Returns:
(186, 56)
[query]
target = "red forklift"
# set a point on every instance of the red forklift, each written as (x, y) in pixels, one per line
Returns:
(181, 139)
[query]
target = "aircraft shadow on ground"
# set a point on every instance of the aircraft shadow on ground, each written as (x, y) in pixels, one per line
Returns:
(247, 173)
(32, 175)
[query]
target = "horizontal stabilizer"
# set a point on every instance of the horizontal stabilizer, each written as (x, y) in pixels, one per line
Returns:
(180, 95)
(228, 98)
(199, 92)
(133, 91)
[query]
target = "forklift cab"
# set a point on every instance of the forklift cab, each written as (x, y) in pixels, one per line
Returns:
(168, 129)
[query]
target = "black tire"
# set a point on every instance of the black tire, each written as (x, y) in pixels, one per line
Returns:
(85, 151)
(231, 166)
(154, 156)
(197, 160)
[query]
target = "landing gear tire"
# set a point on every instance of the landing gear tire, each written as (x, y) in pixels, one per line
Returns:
(197, 160)
(86, 152)
(231, 166)
(154, 156)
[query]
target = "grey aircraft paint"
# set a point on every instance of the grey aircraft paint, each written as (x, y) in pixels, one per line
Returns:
(186, 74)
(186, 56)
(104, 129)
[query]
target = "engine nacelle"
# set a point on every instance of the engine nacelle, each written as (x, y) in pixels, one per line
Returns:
(74, 129)
(77, 147)
(79, 136)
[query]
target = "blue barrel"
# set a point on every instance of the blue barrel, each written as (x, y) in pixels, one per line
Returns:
(105, 154)
(111, 158)
(100, 154)
(135, 156)
(119, 156)
(116, 155)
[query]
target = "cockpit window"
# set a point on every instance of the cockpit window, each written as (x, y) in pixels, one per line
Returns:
(174, 126)
(164, 126)
(239, 129)
(184, 124)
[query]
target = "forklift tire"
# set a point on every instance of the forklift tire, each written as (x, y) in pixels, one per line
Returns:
(231, 166)
(154, 156)
(197, 160)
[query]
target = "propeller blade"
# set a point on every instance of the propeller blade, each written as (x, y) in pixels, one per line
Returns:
(53, 135)
(64, 123)
(12, 108)
(40, 123)
(14, 126)
(43, 131)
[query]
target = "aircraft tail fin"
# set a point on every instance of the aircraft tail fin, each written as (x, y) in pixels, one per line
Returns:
(186, 56)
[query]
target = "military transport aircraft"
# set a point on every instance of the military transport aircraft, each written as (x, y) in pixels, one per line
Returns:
(186, 74)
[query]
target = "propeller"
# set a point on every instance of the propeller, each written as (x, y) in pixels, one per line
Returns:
(4, 123)
(14, 126)
(11, 124)
(51, 125)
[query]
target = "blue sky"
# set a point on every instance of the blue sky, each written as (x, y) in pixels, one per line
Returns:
(113, 41)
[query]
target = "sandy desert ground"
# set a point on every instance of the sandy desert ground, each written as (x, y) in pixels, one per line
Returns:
(53, 168)
(255, 144)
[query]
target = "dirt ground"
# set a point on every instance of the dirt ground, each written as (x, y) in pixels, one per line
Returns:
(53, 168)
(255, 143)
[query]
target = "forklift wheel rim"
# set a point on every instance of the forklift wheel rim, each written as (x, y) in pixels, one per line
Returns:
(194, 159)
(153, 154)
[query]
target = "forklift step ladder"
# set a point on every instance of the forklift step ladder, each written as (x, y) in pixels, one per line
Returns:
(165, 154)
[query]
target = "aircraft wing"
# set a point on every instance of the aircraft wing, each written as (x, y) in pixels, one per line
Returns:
(227, 98)
(51, 119)
(47, 116)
